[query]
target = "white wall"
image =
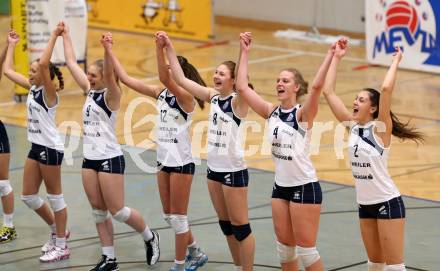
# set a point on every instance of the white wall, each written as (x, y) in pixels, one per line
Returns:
(333, 14)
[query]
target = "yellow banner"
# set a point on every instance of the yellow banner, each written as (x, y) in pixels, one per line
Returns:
(191, 19)
(21, 56)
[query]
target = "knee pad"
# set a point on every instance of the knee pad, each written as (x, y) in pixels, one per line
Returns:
(56, 202)
(226, 227)
(308, 255)
(241, 231)
(395, 267)
(167, 218)
(5, 188)
(99, 216)
(179, 223)
(123, 214)
(32, 201)
(375, 266)
(286, 253)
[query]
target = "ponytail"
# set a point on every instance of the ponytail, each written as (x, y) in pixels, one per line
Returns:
(191, 73)
(55, 72)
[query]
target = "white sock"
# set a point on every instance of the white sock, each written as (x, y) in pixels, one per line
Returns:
(53, 228)
(109, 252)
(147, 234)
(7, 220)
(60, 242)
(237, 268)
(179, 265)
(396, 267)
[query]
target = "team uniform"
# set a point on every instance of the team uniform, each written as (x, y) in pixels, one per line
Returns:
(376, 193)
(47, 145)
(48, 149)
(225, 148)
(173, 140)
(102, 152)
(4, 141)
(295, 176)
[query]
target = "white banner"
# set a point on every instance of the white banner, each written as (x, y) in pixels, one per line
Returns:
(43, 17)
(414, 25)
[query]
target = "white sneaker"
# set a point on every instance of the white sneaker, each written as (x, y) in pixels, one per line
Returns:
(55, 254)
(49, 245)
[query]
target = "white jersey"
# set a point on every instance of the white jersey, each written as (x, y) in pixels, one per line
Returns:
(41, 120)
(368, 161)
(225, 146)
(290, 149)
(173, 140)
(100, 140)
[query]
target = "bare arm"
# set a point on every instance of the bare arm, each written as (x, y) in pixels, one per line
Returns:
(69, 55)
(336, 105)
(260, 106)
(385, 98)
(113, 96)
(310, 109)
(133, 83)
(2, 59)
(183, 97)
(201, 92)
(8, 65)
(50, 89)
(240, 105)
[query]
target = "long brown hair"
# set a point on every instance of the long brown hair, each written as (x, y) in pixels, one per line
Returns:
(191, 73)
(400, 129)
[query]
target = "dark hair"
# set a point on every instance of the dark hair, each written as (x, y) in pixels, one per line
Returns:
(400, 129)
(191, 73)
(55, 71)
(299, 79)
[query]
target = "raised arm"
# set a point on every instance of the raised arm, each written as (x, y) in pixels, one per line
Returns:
(8, 65)
(310, 109)
(336, 105)
(260, 106)
(201, 92)
(183, 97)
(385, 97)
(69, 54)
(113, 95)
(133, 83)
(50, 93)
(2, 59)
(240, 105)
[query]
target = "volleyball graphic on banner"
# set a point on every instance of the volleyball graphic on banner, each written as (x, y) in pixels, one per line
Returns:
(412, 25)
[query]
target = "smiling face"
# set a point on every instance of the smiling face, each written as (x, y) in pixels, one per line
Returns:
(223, 79)
(95, 77)
(363, 109)
(35, 75)
(286, 86)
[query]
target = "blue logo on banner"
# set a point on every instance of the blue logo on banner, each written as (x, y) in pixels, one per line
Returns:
(404, 22)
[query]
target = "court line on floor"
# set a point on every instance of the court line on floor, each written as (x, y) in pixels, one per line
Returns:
(192, 224)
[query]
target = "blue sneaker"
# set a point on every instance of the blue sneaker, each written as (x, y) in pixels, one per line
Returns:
(193, 263)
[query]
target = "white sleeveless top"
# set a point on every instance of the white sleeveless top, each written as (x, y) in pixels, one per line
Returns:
(173, 140)
(100, 140)
(368, 160)
(290, 149)
(225, 146)
(41, 120)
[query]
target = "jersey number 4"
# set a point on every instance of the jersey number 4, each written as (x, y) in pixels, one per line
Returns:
(275, 132)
